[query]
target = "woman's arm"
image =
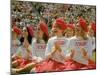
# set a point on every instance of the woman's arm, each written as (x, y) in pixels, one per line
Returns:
(85, 55)
(72, 53)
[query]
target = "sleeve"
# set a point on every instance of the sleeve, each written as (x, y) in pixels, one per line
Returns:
(18, 43)
(94, 44)
(33, 49)
(69, 47)
(19, 52)
(48, 48)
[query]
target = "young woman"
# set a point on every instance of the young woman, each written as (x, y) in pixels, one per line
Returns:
(81, 48)
(69, 32)
(59, 26)
(92, 35)
(23, 58)
(39, 42)
(15, 41)
(56, 50)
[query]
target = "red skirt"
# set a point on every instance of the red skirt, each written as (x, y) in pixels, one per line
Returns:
(22, 62)
(49, 65)
(25, 62)
(91, 65)
(73, 65)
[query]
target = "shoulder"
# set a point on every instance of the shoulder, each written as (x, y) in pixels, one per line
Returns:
(73, 38)
(64, 39)
(20, 47)
(33, 40)
(52, 38)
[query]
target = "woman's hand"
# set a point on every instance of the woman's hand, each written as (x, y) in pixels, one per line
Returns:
(72, 53)
(25, 43)
(56, 48)
(84, 53)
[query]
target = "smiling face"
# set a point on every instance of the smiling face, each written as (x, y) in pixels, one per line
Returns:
(80, 32)
(90, 31)
(58, 31)
(69, 32)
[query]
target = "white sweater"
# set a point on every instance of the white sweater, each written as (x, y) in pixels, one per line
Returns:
(38, 49)
(63, 44)
(77, 44)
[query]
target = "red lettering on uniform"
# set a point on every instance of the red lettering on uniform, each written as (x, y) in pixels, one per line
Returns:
(80, 43)
(40, 46)
(61, 42)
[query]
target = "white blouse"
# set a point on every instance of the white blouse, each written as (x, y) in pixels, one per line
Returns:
(77, 44)
(38, 48)
(15, 44)
(22, 52)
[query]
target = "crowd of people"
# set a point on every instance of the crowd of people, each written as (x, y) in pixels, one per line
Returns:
(49, 37)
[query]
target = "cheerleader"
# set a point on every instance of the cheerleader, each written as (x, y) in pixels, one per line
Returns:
(15, 41)
(81, 48)
(39, 42)
(56, 50)
(59, 26)
(91, 35)
(24, 59)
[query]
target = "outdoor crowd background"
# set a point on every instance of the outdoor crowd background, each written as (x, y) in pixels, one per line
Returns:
(24, 13)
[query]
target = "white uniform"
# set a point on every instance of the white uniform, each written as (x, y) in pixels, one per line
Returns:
(93, 46)
(63, 44)
(76, 44)
(15, 44)
(22, 52)
(93, 42)
(38, 48)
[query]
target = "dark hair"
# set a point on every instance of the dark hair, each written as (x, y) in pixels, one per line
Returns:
(45, 38)
(29, 38)
(21, 40)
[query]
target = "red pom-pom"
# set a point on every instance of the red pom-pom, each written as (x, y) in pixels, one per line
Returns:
(31, 31)
(17, 30)
(44, 28)
(83, 24)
